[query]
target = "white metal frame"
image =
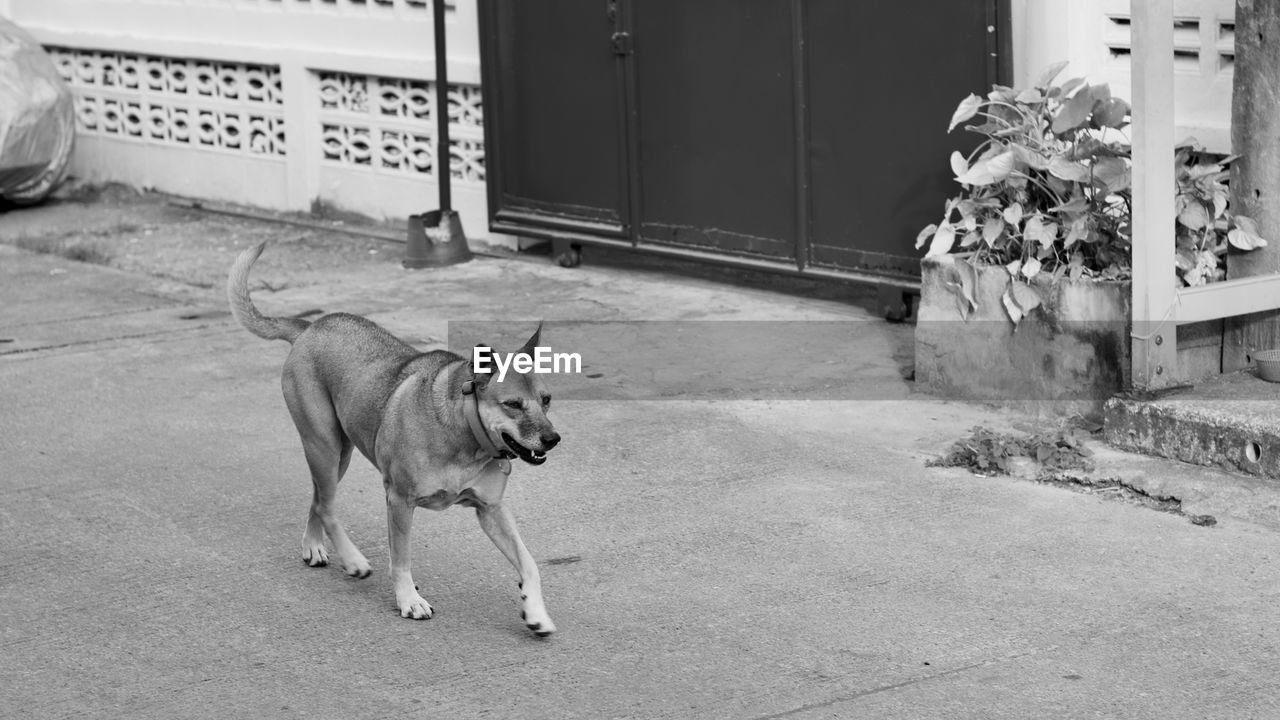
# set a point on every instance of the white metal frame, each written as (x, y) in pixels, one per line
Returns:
(1159, 306)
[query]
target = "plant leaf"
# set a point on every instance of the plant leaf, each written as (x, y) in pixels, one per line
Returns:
(1030, 96)
(1002, 93)
(1013, 214)
(1038, 231)
(1031, 157)
(1058, 185)
(1074, 111)
(1050, 236)
(1245, 234)
(1019, 300)
(1194, 216)
(943, 239)
(1026, 297)
(1014, 268)
(1184, 259)
(1113, 173)
(1001, 165)
(925, 233)
(1011, 307)
(988, 170)
(949, 208)
(1063, 168)
(1110, 113)
(1078, 231)
(992, 228)
(1076, 268)
(1070, 85)
(1031, 268)
(1075, 206)
(1050, 73)
(967, 108)
(959, 165)
(1219, 202)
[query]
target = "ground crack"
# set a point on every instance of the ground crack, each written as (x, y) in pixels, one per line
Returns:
(1120, 489)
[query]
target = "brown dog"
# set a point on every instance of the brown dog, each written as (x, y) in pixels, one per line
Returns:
(440, 434)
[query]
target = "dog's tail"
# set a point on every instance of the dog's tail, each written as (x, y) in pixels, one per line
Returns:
(271, 328)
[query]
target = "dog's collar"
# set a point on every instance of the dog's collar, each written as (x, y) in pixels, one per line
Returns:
(471, 409)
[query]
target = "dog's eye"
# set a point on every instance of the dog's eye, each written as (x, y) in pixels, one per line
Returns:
(546, 401)
(514, 404)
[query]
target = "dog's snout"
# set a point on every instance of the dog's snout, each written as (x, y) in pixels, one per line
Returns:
(550, 439)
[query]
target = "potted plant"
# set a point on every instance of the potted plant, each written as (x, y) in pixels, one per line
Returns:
(1025, 289)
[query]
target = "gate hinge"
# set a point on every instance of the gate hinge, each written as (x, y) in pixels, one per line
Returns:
(621, 43)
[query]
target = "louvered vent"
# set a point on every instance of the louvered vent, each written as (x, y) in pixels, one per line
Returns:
(1189, 42)
(1226, 45)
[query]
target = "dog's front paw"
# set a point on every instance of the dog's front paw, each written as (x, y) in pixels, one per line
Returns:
(357, 567)
(539, 622)
(542, 627)
(414, 606)
(533, 612)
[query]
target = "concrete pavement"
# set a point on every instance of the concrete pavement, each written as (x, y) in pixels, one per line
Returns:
(717, 541)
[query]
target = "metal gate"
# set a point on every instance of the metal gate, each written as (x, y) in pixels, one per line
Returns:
(805, 136)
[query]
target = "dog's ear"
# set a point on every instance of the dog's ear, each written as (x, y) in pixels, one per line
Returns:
(481, 378)
(533, 341)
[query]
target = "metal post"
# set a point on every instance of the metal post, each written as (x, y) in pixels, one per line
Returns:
(1155, 344)
(800, 107)
(436, 238)
(444, 173)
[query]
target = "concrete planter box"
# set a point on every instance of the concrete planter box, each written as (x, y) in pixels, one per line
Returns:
(1069, 355)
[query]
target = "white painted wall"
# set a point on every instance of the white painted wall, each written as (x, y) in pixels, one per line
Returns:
(1048, 31)
(166, 99)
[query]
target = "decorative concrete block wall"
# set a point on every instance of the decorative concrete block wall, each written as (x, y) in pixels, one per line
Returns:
(272, 103)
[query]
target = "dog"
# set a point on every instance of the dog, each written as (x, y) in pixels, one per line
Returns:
(441, 434)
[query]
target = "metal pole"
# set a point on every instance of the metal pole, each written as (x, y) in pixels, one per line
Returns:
(800, 116)
(436, 237)
(443, 170)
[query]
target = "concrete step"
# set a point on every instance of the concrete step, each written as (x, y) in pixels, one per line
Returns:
(1231, 421)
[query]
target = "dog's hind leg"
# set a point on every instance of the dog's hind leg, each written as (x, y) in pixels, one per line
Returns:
(500, 526)
(326, 471)
(328, 452)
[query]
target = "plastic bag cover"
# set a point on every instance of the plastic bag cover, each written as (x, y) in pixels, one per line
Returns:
(37, 118)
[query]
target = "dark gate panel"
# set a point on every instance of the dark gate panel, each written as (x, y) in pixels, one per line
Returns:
(716, 149)
(804, 136)
(883, 80)
(558, 129)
